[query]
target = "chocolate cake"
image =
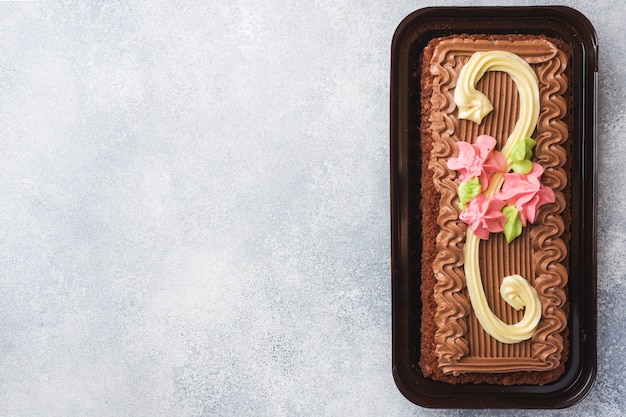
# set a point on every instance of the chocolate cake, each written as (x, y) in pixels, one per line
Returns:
(495, 187)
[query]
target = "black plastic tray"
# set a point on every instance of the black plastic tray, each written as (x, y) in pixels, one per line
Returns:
(410, 38)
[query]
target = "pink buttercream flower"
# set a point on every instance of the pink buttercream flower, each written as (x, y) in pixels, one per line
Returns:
(478, 160)
(484, 216)
(526, 193)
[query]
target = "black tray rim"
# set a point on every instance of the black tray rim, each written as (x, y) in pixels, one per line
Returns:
(581, 373)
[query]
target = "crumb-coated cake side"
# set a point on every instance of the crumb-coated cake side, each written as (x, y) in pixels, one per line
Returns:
(495, 186)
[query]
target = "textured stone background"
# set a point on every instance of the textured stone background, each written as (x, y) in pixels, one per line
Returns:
(195, 209)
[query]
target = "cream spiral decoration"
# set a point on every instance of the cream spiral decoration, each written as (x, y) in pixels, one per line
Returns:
(474, 105)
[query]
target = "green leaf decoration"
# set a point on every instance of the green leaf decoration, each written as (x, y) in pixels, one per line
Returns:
(513, 225)
(522, 167)
(521, 154)
(468, 190)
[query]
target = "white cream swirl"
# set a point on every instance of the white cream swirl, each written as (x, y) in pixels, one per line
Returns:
(474, 105)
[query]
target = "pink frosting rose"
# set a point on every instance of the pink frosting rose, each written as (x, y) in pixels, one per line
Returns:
(484, 216)
(478, 160)
(526, 193)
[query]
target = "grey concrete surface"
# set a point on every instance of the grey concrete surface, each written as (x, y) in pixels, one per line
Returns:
(194, 210)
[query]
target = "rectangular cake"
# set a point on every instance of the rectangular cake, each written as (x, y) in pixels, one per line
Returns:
(495, 190)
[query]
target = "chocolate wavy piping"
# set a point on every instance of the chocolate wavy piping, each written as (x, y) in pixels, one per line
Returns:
(452, 306)
(550, 249)
(451, 346)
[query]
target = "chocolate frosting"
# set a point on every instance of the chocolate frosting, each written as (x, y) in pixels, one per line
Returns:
(461, 344)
